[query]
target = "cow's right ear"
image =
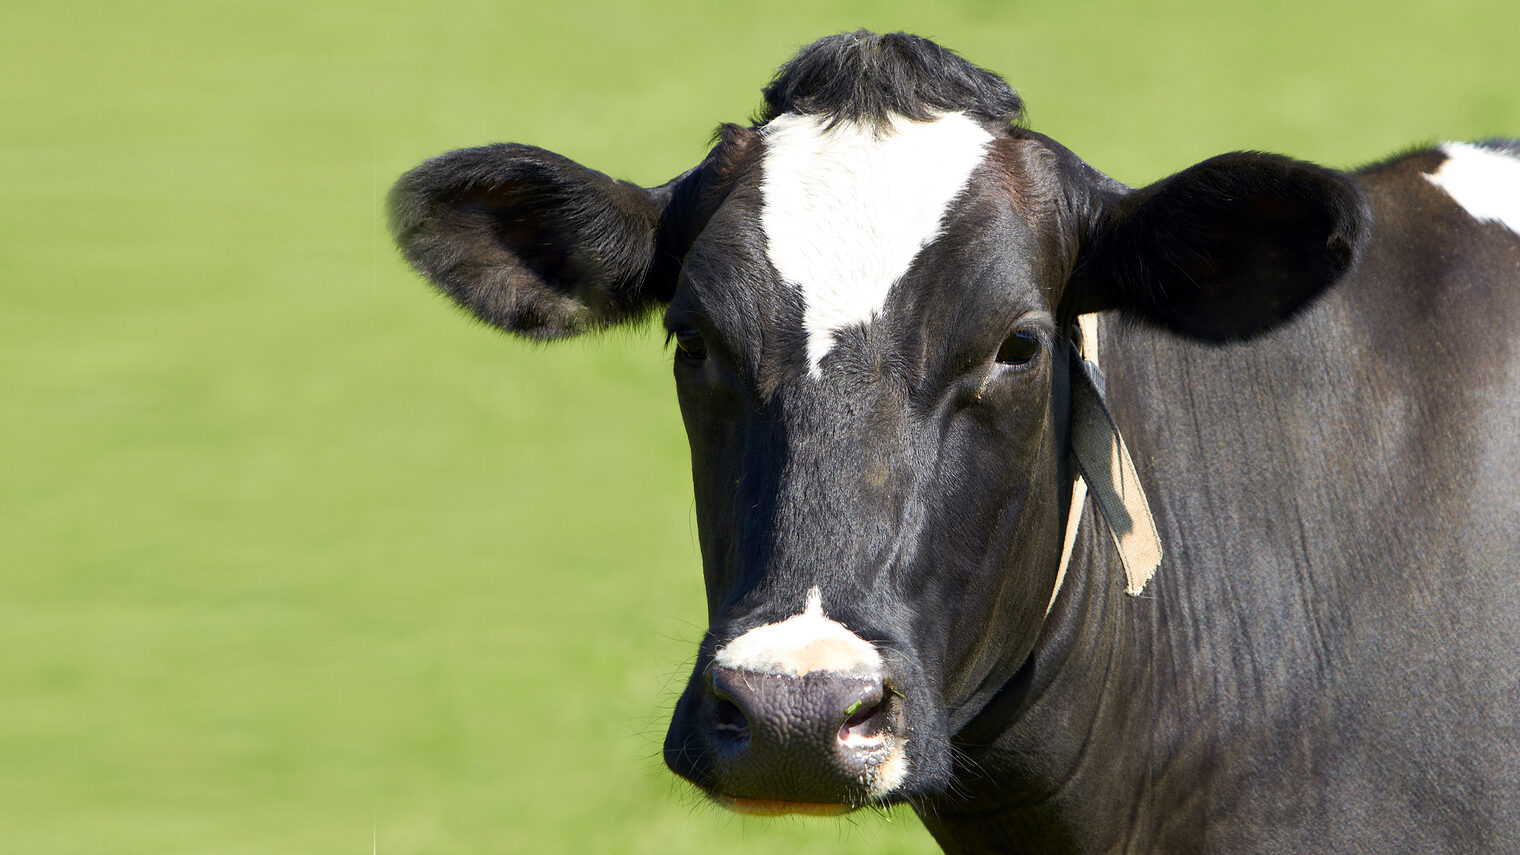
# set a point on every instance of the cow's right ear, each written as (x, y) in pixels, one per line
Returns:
(1224, 250)
(535, 243)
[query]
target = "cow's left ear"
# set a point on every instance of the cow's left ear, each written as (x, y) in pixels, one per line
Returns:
(535, 243)
(1224, 250)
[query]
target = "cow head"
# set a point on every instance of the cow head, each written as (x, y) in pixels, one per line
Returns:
(871, 294)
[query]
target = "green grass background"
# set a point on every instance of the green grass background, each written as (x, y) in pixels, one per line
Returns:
(295, 558)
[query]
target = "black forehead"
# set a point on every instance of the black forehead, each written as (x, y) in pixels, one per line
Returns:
(987, 262)
(729, 286)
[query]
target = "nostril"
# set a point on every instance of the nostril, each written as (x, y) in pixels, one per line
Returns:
(865, 719)
(729, 720)
(860, 716)
(861, 725)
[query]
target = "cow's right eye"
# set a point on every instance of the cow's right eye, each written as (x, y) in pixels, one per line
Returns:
(1019, 349)
(689, 343)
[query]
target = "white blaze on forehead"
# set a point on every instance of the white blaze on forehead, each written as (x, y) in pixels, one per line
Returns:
(1484, 181)
(848, 208)
(800, 645)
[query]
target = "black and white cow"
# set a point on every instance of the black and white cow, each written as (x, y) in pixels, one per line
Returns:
(874, 293)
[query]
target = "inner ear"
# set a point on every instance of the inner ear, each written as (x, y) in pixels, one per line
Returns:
(1225, 250)
(519, 230)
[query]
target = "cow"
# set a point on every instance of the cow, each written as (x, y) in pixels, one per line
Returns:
(1079, 517)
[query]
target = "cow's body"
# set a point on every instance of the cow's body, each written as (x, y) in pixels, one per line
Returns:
(872, 295)
(1329, 660)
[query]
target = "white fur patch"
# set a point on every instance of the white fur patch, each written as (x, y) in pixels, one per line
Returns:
(1485, 182)
(847, 209)
(800, 645)
(885, 777)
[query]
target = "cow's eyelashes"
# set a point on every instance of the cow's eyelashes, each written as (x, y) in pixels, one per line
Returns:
(689, 343)
(1019, 349)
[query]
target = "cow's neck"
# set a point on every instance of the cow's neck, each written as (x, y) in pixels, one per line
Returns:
(1065, 746)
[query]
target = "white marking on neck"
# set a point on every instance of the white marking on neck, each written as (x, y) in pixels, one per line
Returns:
(848, 208)
(800, 645)
(1484, 181)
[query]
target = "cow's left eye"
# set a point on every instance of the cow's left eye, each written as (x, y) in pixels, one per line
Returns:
(1018, 349)
(689, 342)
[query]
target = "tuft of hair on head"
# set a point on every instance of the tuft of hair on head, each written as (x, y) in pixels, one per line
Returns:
(865, 77)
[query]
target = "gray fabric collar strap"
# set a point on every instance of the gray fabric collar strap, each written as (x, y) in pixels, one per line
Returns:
(1104, 470)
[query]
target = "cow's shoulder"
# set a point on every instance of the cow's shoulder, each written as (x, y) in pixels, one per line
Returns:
(1459, 187)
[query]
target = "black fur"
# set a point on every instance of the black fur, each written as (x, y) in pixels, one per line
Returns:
(863, 77)
(1504, 145)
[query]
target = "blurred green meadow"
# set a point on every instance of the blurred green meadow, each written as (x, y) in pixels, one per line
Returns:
(296, 558)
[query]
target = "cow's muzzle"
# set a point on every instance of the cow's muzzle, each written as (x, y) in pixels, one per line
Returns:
(817, 743)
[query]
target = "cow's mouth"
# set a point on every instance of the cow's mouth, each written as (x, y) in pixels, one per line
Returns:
(775, 807)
